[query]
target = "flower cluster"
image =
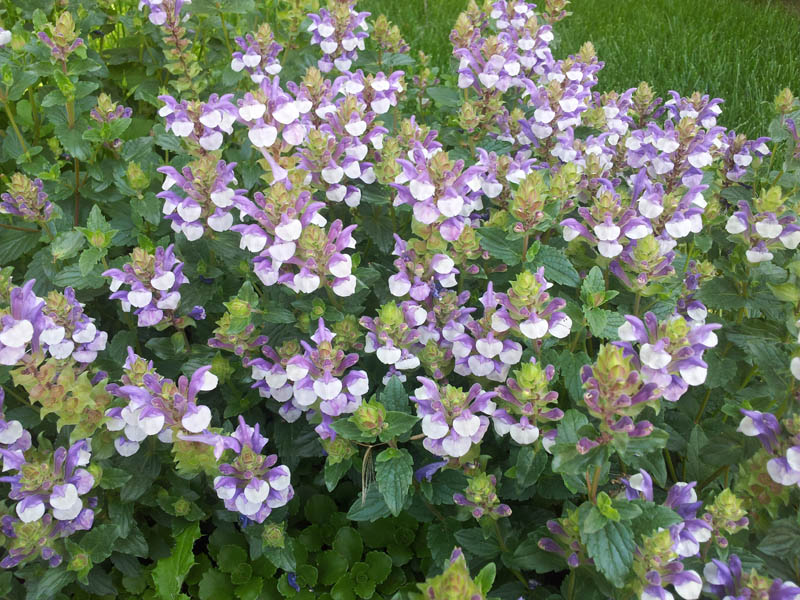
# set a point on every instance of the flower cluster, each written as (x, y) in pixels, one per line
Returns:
(319, 379)
(154, 280)
(202, 123)
(670, 353)
(67, 331)
(163, 10)
(258, 55)
(47, 487)
(529, 310)
(156, 405)
(206, 198)
(293, 245)
(451, 419)
(268, 111)
(657, 565)
(21, 324)
(61, 37)
(524, 403)
(770, 227)
(340, 32)
(566, 540)
(784, 466)
(615, 394)
(14, 438)
(251, 484)
(727, 580)
(481, 497)
(26, 199)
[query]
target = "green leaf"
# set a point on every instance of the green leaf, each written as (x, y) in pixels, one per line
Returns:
(495, 242)
(394, 470)
(597, 318)
(594, 521)
(394, 396)
(721, 293)
(373, 508)
(349, 544)
(332, 566)
(529, 557)
(72, 276)
(214, 585)
(349, 430)
(557, 267)
(782, 539)
(475, 542)
(612, 549)
(485, 578)
(397, 423)
(653, 518)
(230, 557)
(530, 465)
(73, 142)
(89, 258)
(444, 96)
(606, 508)
(99, 542)
(67, 244)
(380, 565)
(14, 244)
(169, 573)
(113, 478)
(592, 284)
(49, 584)
(333, 472)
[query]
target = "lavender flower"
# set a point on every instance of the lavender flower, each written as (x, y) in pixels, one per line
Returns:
(157, 406)
(450, 417)
(726, 580)
(295, 248)
(27, 200)
(566, 540)
(201, 123)
(268, 111)
(14, 438)
(523, 403)
(615, 394)
(154, 281)
(251, 484)
(259, 54)
(161, 10)
(21, 324)
(68, 331)
(529, 310)
(764, 229)
(48, 488)
(784, 466)
(320, 379)
(420, 276)
(336, 31)
(670, 354)
(207, 198)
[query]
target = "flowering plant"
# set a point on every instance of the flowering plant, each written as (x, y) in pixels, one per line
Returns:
(285, 313)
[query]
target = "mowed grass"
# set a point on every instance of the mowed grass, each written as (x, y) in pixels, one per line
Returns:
(744, 51)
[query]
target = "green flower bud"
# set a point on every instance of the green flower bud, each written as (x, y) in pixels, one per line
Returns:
(274, 535)
(338, 449)
(454, 584)
(370, 417)
(784, 102)
(181, 507)
(137, 178)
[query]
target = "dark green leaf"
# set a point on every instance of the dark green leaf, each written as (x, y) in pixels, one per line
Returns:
(393, 472)
(474, 542)
(394, 396)
(612, 548)
(495, 242)
(169, 573)
(557, 267)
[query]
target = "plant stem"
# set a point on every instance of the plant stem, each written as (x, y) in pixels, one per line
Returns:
(225, 33)
(15, 127)
(636, 302)
(76, 218)
(571, 588)
(503, 548)
(16, 228)
(670, 466)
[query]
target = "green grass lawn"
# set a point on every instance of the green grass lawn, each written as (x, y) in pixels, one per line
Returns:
(743, 51)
